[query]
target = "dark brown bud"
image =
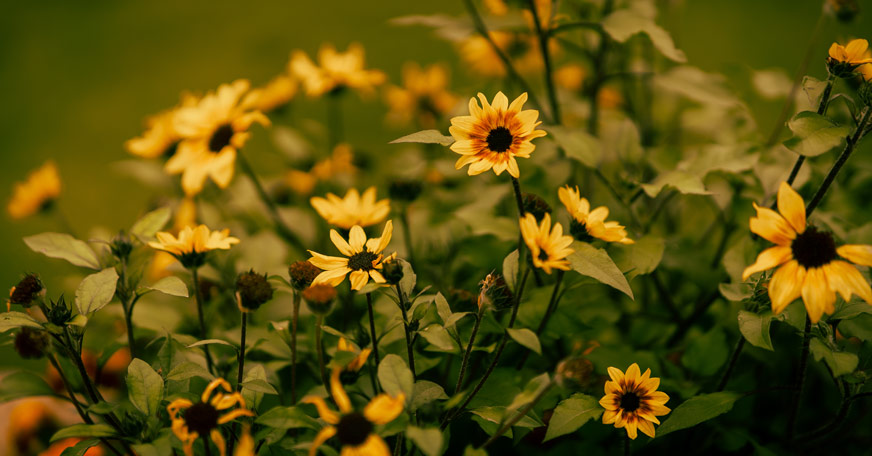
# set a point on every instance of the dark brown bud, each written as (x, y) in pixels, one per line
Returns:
(319, 298)
(392, 270)
(27, 290)
(254, 290)
(302, 274)
(59, 313)
(31, 343)
(534, 204)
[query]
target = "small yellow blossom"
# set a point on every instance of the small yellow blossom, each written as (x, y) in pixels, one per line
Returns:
(353, 209)
(592, 221)
(192, 243)
(191, 421)
(160, 139)
(335, 71)
(632, 401)
(278, 92)
(853, 53)
(424, 96)
(548, 247)
(363, 259)
(36, 193)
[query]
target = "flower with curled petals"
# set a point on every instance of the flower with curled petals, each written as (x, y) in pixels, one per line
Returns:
(548, 247)
(352, 209)
(360, 358)
(335, 71)
(191, 420)
(363, 258)
(809, 261)
(588, 223)
(632, 401)
(37, 193)
(193, 243)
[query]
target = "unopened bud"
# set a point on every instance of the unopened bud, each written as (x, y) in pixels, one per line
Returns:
(495, 292)
(27, 290)
(534, 204)
(254, 290)
(302, 274)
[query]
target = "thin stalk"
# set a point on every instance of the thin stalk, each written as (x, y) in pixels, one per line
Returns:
(294, 319)
(334, 118)
(407, 234)
(409, 347)
(127, 300)
(281, 228)
(800, 380)
(833, 425)
(241, 351)
(519, 200)
(737, 351)
(128, 320)
(372, 329)
(468, 351)
(544, 37)
(521, 413)
(549, 311)
(54, 362)
(599, 60)
(199, 299)
(319, 349)
(627, 443)
(602, 178)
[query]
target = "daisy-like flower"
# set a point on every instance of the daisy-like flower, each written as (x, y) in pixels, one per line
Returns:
(364, 258)
(809, 259)
(35, 194)
(853, 53)
(191, 420)
(353, 209)
(494, 134)
(521, 48)
(359, 361)
(335, 71)
(191, 246)
(212, 132)
(586, 223)
(632, 401)
(278, 92)
(424, 96)
(354, 429)
(160, 138)
(548, 247)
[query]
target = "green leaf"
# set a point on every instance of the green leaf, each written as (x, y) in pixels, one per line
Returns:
(840, 363)
(171, 285)
(578, 144)
(425, 393)
(642, 257)
(590, 261)
(707, 353)
(532, 389)
(490, 418)
(623, 24)
(395, 377)
(814, 89)
(697, 410)
(145, 387)
(407, 283)
(571, 414)
(64, 247)
(23, 384)
(735, 291)
(686, 183)
(442, 308)
(286, 418)
(814, 134)
(84, 430)
(851, 309)
(253, 397)
(14, 319)
(526, 338)
(80, 448)
(96, 290)
(211, 342)
(425, 137)
(438, 338)
(454, 318)
(151, 223)
(259, 385)
(510, 269)
(429, 440)
(755, 328)
(188, 369)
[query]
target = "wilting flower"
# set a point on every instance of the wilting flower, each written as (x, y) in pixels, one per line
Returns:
(194, 420)
(212, 131)
(26, 291)
(160, 137)
(548, 247)
(632, 401)
(354, 429)
(591, 223)
(37, 193)
(494, 134)
(359, 361)
(364, 258)
(353, 209)
(278, 92)
(193, 243)
(424, 95)
(252, 290)
(335, 71)
(809, 259)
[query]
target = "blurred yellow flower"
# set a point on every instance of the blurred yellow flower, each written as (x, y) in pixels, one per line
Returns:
(592, 221)
(359, 361)
(160, 138)
(341, 161)
(353, 209)
(494, 134)
(548, 246)
(212, 132)
(364, 258)
(191, 421)
(852, 53)
(186, 215)
(496, 7)
(521, 48)
(570, 76)
(278, 92)
(192, 243)
(36, 193)
(609, 98)
(424, 96)
(246, 446)
(335, 71)
(632, 401)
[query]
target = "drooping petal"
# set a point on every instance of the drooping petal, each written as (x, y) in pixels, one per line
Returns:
(844, 278)
(323, 410)
(383, 408)
(786, 285)
(768, 259)
(816, 294)
(856, 253)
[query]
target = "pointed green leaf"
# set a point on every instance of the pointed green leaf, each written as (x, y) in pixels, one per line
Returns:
(596, 263)
(814, 134)
(151, 223)
(697, 410)
(64, 247)
(623, 24)
(144, 387)
(171, 285)
(15, 319)
(84, 430)
(425, 137)
(429, 440)
(755, 328)
(526, 338)
(395, 377)
(571, 414)
(96, 290)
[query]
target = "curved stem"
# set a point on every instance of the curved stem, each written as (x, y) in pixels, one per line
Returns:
(199, 299)
(294, 319)
(800, 380)
(740, 344)
(544, 37)
(521, 413)
(410, 351)
(281, 228)
(468, 351)
(241, 351)
(549, 311)
(54, 362)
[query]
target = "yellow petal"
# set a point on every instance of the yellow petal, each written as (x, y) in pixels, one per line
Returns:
(356, 239)
(339, 394)
(383, 408)
(771, 226)
(792, 207)
(768, 259)
(856, 253)
(340, 243)
(322, 436)
(786, 285)
(358, 279)
(816, 294)
(323, 411)
(844, 278)
(373, 446)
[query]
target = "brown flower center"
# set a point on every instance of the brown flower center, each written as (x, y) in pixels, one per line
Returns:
(220, 138)
(543, 255)
(630, 402)
(201, 418)
(362, 261)
(814, 248)
(499, 139)
(353, 429)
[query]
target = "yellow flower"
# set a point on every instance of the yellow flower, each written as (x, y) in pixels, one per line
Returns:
(548, 247)
(494, 134)
(337, 71)
(245, 447)
(359, 361)
(212, 132)
(424, 95)
(193, 420)
(632, 401)
(192, 244)
(522, 49)
(353, 209)
(354, 429)
(278, 92)
(570, 76)
(36, 193)
(341, 161)
(160, 137)
(593, 222)
(186, 215)
(809, 259)
(853, 53)
(496, 7)
(364, 258)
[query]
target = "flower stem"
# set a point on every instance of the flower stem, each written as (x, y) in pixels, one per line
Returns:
(549, 311)
(627, 442)
(407, 234)
(737, 351)
(294, 319)
(281, 228)
(241, 350)
(54, 362)
(599, 65)
(199, 299)
(372, 329)
(544, 36)
(334, 118)
(800, 380)
(521, 413)
(319, 349)
(409, 348)
(468, 352)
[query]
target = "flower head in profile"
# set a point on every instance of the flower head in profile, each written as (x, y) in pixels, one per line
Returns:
(212, 132)
(424, 96)
(361, 355)
(36, 193)
(353, 209)
(810, 263)
(335, 71)
(632, 401)
(548, 246)
(160, 139)
(843, 60)
(193, 420)
(276, 93)
(586, 223)
(494, 134)
(193, 243)
(362, 261)
(355, 430)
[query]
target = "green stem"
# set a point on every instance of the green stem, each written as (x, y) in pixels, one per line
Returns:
(241, 351)
(521, 413)
(468, 352)
(281, 228)
(294, 320)
(544, 37)
(740, 344)
(599, 61)
(800, 380)
(407, 234)
(54, 362)
(410, 351)
(334, 118)
(319, 349)
(549, 311)
(203, 334)
(372, 329)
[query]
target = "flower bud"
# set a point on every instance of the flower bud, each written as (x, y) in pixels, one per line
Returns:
(31, 343)
(302, 274)
(405, 190)
(27, 290)
(534, 204)
(392, 270)
(319, 298)
(59, 313)
(844, 10)
(253, 290)
(121, 246)
(495, 292)
(463, 300)
(574, 373)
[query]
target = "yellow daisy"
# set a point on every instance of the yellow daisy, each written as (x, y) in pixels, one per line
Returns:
(588, 223)
(853, 53)
(160, 139)
(193, 420)
(35, 194)
(192, 244)
(632, 401)
(809, 259)
(359, 361)
(353, 209)
(335, 71)
(548, 247)
(278, 92)
(212, 132)
(341, 161)
(424, 96)
(364, 258)
(521, 48)
(570, 76)
(494, 134)
(354, 429)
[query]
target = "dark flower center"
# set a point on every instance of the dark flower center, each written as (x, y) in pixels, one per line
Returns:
(630, 402)
(220, 138)
(353, 429)
(543, 255)
(499, 139)
(362, 261)
(814, 248)
(201, 418)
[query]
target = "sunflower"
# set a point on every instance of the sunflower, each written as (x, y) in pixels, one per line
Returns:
(586, 223)
(548, 247)
(632, 401)
(353, 429)
(364, 258)
(353, 209)
(424, 96)
(192, 420)
(160, 138)
(809, 259)
(212, 131)
(337, 71)
(359, 361)
(278, 92)
(494, 134)
(193, 243)
(37, 193)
